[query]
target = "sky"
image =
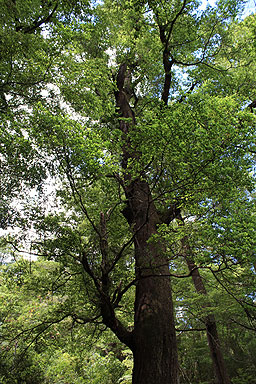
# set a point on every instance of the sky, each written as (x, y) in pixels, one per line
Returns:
(250, 7)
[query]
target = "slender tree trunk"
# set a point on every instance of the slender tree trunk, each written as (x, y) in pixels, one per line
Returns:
(209, 320)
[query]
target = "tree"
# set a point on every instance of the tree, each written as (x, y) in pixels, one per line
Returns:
(133, 134)
(228, 271)
(34, 348)
(209, 320)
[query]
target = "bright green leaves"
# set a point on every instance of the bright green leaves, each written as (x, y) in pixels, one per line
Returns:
(234, 62)
(194, 151)
(35, 313)
(195, 148)
(75, 145)
(21, 165)
(87, 87)
(29, 48)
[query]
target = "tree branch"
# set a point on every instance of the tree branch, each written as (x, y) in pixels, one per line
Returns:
(37, 23)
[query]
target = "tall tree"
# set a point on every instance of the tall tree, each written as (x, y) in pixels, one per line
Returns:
(130, 133)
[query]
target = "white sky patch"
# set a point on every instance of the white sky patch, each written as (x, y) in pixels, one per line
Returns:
(46, 198)
(66, 107)
(111, 52)
(208, 2)
(50, 88)
(250, 8)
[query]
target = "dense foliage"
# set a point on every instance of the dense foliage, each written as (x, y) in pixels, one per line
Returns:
(127, 165)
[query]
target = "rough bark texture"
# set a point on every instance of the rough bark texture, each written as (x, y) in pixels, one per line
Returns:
(210, 323)
(153, 338)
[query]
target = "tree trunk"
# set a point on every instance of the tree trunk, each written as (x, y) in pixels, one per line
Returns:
(154, 339)
(210, 323)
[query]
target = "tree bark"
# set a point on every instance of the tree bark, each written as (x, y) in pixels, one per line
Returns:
(153, 339)
(219, 367)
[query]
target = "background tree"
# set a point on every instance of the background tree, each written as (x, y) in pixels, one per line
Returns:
(37, 349)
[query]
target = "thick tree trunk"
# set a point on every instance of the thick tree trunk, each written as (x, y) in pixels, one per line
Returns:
(155, 356)
(154, 339)
(210, 323)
